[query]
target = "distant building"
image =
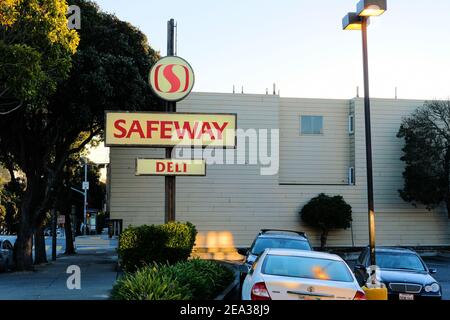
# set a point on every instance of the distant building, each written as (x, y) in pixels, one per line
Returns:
(321, 149)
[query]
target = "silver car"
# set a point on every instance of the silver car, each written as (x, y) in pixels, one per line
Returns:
(6, 255)
(286, 274)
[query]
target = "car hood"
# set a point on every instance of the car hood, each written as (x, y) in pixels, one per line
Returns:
(401, 276)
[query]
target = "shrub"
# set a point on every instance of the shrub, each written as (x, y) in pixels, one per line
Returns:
(149, 283)
(326, 213)
(205, 279)
(169, 243)
(194, 279)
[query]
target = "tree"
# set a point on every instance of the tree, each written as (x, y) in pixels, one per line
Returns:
(426, 154)
(109, 72)
(327, 213)
(73, 176)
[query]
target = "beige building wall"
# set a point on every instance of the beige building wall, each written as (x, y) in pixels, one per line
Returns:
(233, 202)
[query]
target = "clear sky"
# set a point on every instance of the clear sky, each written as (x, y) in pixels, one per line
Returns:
(300, 45)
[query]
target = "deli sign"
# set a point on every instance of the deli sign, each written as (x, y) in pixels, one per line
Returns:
(170, 167)
(154, 129)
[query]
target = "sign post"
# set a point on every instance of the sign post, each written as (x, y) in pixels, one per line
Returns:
(171, 106)
(171, 79)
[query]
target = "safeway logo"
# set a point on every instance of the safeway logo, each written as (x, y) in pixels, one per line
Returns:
(172, 78)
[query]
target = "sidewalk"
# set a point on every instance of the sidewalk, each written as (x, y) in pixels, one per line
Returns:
(48, 282)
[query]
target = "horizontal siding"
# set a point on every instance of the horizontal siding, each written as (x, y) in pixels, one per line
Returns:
(314, 159)
(233, 202)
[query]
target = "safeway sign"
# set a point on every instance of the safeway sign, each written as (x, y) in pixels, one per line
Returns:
(171, 78)
(154, 129)
(170, 167)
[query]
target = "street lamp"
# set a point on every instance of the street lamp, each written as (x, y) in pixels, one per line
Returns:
(359, 20)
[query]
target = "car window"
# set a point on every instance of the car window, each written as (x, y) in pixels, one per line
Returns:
(392, 260)
(306, 267)
(262, 244)
(360, 259)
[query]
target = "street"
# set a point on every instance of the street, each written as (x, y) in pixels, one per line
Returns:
(97, 260)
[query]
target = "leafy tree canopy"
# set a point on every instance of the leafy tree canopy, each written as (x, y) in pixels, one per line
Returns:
(327, 213)
(426, 154)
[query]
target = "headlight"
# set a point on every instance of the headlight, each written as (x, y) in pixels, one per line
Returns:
(432, 288)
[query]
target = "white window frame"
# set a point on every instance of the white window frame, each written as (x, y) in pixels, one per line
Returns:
(351, 124)
(311, 134)
(351, 176)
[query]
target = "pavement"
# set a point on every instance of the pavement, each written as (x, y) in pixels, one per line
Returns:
(97, 259)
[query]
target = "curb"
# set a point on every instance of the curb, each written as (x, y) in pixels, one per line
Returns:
(226, 292)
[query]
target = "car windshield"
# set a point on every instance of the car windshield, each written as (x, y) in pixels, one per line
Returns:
(280, 243)
(392, 260)
(306, 267)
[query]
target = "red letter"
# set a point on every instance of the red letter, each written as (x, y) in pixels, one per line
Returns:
(136, 128)
(172, 78)
(206, 128)
(220, 129)
(150, 128)
(186, 128)
(123, 131)
(160, 167)
(169, 166)
(165, 127)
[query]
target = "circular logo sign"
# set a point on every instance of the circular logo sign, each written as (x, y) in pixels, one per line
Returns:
(172, 78)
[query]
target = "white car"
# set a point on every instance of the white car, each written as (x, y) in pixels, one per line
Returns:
(286, 274)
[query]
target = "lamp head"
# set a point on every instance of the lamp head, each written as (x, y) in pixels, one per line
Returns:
(371, 8)
(352, 21)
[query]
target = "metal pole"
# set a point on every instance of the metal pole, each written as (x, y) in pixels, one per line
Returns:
(54, 224)
(370, 200)
(85, 198)
(170, 182)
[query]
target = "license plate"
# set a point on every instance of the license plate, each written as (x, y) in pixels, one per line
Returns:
(404, 296)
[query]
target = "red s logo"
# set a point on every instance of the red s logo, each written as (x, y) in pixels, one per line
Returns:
(172, 78)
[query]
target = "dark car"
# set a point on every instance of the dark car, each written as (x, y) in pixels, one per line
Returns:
(403, 271)
(6, 255)
(271, 238)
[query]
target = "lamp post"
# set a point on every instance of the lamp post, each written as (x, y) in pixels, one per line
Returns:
(359, 20)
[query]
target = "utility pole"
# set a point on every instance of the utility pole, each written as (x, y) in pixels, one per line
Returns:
(85, 189)
(54, 225)
(170, 182)
(370, 200)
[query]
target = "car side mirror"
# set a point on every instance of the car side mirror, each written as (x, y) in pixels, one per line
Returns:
(433, 271)
(243, 268)
(242, 251)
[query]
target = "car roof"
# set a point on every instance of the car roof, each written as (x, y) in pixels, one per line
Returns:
(303, 253)
(283, 236)
(394, 250)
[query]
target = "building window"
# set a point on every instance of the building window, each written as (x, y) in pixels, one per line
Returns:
(311, 125)
(351, 176)
(351, 124)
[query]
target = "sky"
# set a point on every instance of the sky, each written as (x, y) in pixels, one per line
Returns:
(300, 45)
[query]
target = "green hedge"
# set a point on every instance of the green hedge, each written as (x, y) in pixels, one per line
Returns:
(149, 284)
(168, 243)
(194, 279)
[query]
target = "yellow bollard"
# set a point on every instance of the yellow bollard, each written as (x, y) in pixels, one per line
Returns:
(376, 293)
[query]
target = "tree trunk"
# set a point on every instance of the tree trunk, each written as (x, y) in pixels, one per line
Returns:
(23, 247)
(323, 239)
(70, 249)
(40, 254)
